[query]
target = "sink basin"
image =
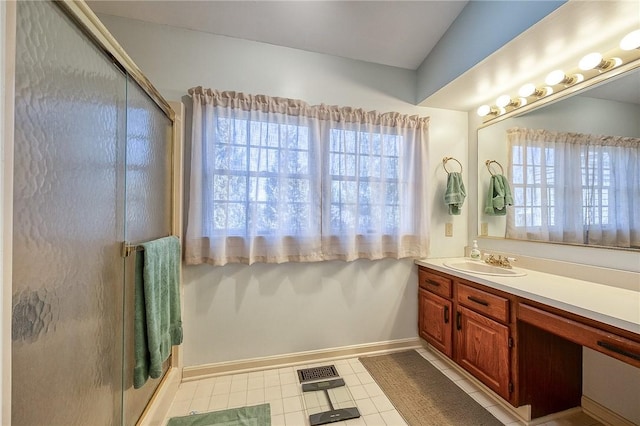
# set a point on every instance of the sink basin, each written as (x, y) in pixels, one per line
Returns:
(477, 267)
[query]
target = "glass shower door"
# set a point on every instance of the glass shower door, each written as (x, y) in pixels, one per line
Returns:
(148, 216)
(68, 272)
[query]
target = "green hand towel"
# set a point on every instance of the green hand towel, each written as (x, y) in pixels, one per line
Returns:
(455, 193)
(498, 196)
(157, 321)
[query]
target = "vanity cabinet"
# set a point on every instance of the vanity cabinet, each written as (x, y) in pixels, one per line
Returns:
(468, 324)
(526, 351)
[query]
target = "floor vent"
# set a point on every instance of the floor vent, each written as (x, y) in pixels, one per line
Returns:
(317, 373)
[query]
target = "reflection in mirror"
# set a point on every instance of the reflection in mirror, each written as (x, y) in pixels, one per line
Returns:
(573, 167)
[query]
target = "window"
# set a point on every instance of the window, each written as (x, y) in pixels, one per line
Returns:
(364, 170)
(261, 181)
(277, 180)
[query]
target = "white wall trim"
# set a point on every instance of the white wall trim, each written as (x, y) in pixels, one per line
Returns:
(158, 407)
(216, 369)
(602, 413)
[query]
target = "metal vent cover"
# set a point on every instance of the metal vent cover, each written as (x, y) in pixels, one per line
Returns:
(317, 373)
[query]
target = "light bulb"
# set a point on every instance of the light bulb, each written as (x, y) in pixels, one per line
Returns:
(590, 61)
(503, 101)
(631, 41)
(483, 110)
(595, 60)
(555, 77)
(558, 77)
(530, 89)
(527, 90)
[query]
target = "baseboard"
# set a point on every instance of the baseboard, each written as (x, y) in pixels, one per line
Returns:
(554, 418)
(158, 407)
(216, 369)
(602, 413)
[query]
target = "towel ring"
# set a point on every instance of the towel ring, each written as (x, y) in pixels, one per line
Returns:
(488, 164)
(444, 163)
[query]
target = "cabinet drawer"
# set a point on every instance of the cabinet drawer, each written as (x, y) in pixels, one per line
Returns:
(486, 303)
(599, 340)
(435, 283)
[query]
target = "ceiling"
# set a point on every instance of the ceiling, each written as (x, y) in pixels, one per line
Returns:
(395, 33)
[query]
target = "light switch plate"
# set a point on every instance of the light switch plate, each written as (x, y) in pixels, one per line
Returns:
(448, 229)
(484, 229)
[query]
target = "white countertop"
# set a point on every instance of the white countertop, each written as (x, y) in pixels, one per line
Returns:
(610, 305)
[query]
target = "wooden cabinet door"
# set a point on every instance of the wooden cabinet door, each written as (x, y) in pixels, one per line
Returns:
(482, 348)
(434, 324)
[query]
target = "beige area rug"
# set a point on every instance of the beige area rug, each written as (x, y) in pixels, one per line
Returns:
(422, 394)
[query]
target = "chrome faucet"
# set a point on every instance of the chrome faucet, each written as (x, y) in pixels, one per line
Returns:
(501, 261)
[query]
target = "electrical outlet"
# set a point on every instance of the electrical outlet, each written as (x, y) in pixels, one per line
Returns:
(448, 229)
(484, 229)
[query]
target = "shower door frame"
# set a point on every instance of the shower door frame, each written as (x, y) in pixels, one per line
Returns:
(7, 79)
(89, 23)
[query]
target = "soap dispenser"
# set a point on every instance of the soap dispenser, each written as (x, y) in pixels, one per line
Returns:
(475, 251)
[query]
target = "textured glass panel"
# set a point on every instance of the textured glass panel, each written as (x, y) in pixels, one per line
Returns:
(148, 168)
(148, 213)
(68, 203)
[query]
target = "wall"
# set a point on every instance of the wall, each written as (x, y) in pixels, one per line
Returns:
(240, 312)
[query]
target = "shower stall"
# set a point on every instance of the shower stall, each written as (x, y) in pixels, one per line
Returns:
(93, 170)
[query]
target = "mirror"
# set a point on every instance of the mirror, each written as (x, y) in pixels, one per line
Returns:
(609, 108)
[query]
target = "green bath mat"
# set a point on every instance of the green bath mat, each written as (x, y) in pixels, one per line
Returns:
(258, 415)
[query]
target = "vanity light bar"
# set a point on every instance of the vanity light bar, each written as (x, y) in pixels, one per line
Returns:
(558, 80)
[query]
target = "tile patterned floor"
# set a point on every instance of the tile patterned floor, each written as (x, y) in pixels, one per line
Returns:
(281, 389)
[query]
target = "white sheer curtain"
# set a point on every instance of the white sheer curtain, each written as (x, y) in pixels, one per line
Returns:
(277, 180)
(574, 187)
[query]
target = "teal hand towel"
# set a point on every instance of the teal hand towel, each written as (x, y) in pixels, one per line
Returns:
(455, 193)
(498, 196)
(157, 320)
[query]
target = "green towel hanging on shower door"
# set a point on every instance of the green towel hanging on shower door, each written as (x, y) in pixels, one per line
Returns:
(157, 320)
